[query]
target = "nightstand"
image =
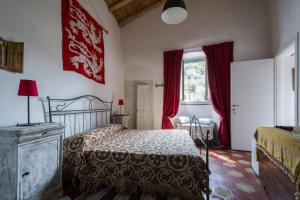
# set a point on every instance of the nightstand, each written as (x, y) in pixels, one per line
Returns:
(122, 119)
(31, 162)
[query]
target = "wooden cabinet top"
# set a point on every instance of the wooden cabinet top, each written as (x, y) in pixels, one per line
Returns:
(27, 130)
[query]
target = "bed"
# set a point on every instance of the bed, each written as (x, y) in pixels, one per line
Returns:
(97, 153)
(282, 148)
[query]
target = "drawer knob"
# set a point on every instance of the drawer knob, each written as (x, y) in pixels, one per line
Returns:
(25, 174)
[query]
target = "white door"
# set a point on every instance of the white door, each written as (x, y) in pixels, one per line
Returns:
(130, 106)
(252, 100)
(143, 107)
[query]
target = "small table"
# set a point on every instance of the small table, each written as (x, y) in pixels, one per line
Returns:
(122, 119)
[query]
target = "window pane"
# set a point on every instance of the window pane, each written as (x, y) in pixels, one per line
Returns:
(195, 81)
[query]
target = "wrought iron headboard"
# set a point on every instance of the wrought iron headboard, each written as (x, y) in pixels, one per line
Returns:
(79, 114)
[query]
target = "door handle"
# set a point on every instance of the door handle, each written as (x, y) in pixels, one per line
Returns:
(25, 174)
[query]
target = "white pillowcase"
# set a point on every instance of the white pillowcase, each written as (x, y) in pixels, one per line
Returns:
(183, 120)
(186, 120)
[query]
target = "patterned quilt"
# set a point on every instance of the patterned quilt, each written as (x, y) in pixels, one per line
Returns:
(73, 148)
(154, 161)
(283, 148)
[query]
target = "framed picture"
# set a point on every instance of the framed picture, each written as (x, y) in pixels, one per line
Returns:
(15, 54)
(3, 45)
(11, 55)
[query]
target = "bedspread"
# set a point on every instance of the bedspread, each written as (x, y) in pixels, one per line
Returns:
(73, 147)
(283, 148)
(164, 161)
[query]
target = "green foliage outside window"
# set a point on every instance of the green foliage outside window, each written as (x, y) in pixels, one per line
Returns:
(195, 82)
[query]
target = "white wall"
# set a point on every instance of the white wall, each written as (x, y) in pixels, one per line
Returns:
(37, 23)
(246, 22)
(203, 111)
(285, 17)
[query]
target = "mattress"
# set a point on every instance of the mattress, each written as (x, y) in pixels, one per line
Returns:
(155, 161)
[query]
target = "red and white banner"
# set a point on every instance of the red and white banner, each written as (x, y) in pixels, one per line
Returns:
(83, 45)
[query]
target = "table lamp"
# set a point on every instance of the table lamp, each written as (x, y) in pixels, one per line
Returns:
(121, 103)
(28, 88)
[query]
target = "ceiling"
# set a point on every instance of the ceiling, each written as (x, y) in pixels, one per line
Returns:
(126, 11)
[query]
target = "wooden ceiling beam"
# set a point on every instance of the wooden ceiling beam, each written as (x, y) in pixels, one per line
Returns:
(118, 5)
(132, 17)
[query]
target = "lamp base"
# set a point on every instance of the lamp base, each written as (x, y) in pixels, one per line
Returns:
(30, 124)
(121, 110)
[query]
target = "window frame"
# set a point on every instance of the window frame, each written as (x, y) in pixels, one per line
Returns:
(184, 102)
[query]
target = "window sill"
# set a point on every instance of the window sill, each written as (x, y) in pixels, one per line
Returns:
(195, 103)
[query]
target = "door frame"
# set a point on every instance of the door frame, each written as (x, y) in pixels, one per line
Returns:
(297, 79)
(295, 40)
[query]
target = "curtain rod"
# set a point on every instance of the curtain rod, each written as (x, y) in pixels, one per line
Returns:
(198, 47)
(193, 49)
(189, 49)
(159, 85)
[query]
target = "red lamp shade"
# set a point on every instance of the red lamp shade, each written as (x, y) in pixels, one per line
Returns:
(28, 88)
(121, 102)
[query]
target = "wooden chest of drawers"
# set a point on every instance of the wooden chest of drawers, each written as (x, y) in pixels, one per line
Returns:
(31, 162)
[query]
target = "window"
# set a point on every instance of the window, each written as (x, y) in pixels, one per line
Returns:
(194, 79)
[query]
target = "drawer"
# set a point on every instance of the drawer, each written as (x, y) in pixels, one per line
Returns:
(39, 135)
(40, 163)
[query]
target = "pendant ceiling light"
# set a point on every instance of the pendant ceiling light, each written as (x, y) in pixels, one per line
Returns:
(174, 12)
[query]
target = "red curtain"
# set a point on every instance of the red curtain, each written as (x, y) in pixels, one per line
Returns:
(172, 73)
(219, 57)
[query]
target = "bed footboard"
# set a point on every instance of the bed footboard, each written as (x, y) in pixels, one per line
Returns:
(205, 142)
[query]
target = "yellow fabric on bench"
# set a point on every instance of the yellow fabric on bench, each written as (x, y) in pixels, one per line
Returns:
(284, 149)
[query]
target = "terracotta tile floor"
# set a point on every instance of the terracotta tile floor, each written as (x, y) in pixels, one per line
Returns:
(233, 178)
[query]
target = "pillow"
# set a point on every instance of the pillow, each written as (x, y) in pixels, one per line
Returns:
(100, 132)
(186, 120)
(182, 120)
(116, 127)
(74, 145)
(206, 121)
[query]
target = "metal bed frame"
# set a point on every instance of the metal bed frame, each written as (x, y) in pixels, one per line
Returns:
(205, 142)
(94, 112)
